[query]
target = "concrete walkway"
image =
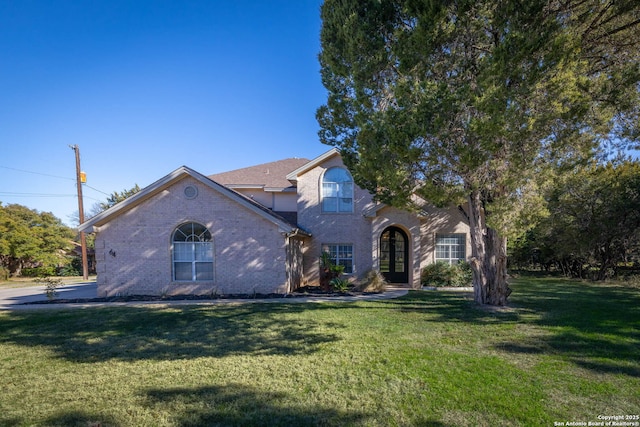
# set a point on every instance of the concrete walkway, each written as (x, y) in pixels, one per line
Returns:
(15, 299)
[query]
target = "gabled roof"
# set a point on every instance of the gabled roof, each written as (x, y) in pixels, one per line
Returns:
(176, 176)
(293, 176)
(423, 208)
(270, 176)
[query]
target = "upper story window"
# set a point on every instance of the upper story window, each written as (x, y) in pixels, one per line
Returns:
(337, 191)
(192, 253)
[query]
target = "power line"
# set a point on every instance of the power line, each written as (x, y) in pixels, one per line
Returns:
(14, 194)
(38, 173)
(99, 191)
(9, 193)
(54, 176)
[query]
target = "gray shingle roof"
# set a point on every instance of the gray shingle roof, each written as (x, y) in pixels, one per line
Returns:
(270, 175)
(175, 176)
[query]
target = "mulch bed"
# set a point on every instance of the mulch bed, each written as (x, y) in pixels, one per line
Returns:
(306, 291)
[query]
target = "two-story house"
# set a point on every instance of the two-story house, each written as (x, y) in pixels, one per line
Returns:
(262, 229)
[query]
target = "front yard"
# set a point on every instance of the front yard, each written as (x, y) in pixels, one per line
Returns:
(566, 351)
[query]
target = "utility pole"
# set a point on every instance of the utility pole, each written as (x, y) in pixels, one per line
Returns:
(83, 238)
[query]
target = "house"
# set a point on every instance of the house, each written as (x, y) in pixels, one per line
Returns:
(262, 229)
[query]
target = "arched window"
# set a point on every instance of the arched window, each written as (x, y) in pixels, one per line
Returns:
(337, 191)
(192, 253)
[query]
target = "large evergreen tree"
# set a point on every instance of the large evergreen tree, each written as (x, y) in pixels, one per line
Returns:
(472, 101)
(593, 224)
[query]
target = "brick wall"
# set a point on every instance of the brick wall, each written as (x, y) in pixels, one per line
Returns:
(133, 250)
(364, 233)
(351, 228)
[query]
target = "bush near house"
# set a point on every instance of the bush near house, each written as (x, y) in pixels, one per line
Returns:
(374, 281)
(445, 274)
(330, 274)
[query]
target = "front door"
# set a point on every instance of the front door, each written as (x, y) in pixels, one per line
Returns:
(394, 255)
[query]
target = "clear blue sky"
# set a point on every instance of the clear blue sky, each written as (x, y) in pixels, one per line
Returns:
(143, 87)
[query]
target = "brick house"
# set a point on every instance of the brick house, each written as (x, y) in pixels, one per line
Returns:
(262, 229)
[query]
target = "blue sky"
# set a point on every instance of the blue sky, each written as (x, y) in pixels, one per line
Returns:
(143, 87)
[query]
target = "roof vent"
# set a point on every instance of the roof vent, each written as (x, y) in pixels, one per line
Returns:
(190, 192)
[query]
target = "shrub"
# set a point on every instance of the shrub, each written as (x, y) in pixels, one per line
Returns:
(38, 272)
(4, 273)
(69, 270)
(632, 281)
(373, 282)
(329, 272)
(339, 284)
(50, 285)
(445, 274)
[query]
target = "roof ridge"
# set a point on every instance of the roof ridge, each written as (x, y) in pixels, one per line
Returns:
(269, 174)
(262, 164)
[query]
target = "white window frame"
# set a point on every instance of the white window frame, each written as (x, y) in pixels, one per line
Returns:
(334, 250)
(339, 193)
(455, 250)
(194, 248)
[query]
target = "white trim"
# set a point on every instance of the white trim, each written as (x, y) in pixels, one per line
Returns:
(280, 189)
(170, 179)
(338, 187)
(293, 176)
(352, 259)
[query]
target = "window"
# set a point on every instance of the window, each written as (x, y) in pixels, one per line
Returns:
(192, 253)
(340, 255)
(337, 191)
(450, 248)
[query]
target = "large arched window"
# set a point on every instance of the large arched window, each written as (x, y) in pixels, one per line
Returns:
(337, 191)
(192, 253)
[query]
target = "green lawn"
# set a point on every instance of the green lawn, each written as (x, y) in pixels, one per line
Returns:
(565, 351)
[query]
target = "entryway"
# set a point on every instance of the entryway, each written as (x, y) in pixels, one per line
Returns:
(394, 255)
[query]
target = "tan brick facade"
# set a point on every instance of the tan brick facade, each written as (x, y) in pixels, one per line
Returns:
(133, 250)
(332, 228)
(255, 250)
(364, 231)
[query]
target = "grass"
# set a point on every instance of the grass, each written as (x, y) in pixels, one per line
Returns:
(565, 351)
(23, 282)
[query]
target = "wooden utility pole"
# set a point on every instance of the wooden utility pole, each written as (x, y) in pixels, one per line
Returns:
(83, 238)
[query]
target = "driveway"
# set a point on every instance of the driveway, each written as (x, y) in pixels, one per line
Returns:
(15, 296)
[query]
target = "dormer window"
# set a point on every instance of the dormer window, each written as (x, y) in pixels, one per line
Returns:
(337, 191)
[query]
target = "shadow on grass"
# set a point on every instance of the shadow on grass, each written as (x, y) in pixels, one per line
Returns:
(593, 325)
(451, 307)
(168, 333)
(80, 419)
(241, 405)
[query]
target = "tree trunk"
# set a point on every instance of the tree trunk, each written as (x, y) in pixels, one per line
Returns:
(488, 257)
(14, 265)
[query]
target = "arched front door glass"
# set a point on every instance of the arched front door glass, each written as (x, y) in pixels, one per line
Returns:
(394, 255)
